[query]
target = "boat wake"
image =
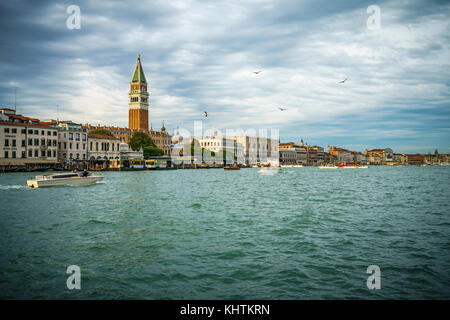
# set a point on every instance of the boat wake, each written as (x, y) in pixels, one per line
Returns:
(12, 187)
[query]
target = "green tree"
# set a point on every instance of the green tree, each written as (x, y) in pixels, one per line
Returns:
(151, 151)
(102, 132)
(140, 140)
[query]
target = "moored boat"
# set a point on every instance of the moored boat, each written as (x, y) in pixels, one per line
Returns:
(231, 168)
(63, 179)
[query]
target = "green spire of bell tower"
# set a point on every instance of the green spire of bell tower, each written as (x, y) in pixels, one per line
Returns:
(138, 75)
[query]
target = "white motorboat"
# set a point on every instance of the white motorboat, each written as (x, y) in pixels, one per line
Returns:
(63, 179)
(328, 167)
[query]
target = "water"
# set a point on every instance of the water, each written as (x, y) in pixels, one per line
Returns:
(305, 233)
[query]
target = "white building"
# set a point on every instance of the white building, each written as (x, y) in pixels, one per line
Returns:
(103, 147)
(26, 143)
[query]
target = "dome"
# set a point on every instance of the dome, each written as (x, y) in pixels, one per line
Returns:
(123, 147)
(177, 137)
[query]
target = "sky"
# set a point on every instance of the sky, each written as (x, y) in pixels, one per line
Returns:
(201, 55)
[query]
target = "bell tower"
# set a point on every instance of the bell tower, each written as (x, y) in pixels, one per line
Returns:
(138, 99)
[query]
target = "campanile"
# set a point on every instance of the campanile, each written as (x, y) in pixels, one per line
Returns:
(138, 99)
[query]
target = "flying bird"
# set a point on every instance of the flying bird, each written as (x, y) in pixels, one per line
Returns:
(343, 80)
(282, 109)
(206, 113)
(256, 72)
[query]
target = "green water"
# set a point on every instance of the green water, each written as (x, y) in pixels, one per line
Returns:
(304, 233)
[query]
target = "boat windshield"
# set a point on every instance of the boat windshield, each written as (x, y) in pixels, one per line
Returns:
(69, 175)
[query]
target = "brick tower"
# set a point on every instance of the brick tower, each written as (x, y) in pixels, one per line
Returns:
(138, 113)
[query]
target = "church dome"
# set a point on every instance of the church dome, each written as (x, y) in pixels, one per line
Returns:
(123, 147)
(177, 137)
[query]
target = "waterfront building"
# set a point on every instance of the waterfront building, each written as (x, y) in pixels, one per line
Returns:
(301, 151)
(379, 156)
(415, 159)
(217, 144)
(24, 142)
(329, 158)
(127, 159)
(359, 157)
(256, 149)
(315, 155)
(102, 149)
(72, 141)
(288, 156)
(341, 154)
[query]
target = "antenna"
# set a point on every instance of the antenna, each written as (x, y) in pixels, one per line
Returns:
(15, 99)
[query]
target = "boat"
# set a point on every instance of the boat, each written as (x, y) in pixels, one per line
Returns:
(328, 167)
(63, 179)
(231, 168)
(270, 168)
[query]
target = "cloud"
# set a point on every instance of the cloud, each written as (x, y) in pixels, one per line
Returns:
(201, 56)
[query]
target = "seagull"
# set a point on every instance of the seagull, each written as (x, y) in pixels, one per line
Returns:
(206, 113)
(256, 72)
(343, 80)
(282, 109)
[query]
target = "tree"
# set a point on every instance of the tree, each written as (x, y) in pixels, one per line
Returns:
(102, 132)
(151, 151)
(140, 140)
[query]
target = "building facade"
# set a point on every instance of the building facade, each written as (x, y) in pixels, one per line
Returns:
(103, 147)
(25, 142)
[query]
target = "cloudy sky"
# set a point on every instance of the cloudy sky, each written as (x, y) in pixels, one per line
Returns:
(200, 55)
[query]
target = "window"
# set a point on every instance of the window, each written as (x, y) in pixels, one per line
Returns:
(70, 156)
(30, 153)
(6, 130)
(24, 154)
(6, 154)
(70, 136)
(24, 144)
(64, 134)
(42, 132)
(54, 153)
(49, 133)
(14, 130)
(36, 131)
(84, 137)
(36, 142)
(78, 145)
(36, 153)
(42, 153)
(13, 143)
(84, 146)
(24, 131)
(65, 145)
(84, 156)
(54, 133)
(42, 142)
(77, 136)
(59, 145)
(54, 143)
(13, 154)
(96, 146)
(30, 142)
(90, 146)
(6, 143)
(30, 131)
(78, 156)
(70, 145)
